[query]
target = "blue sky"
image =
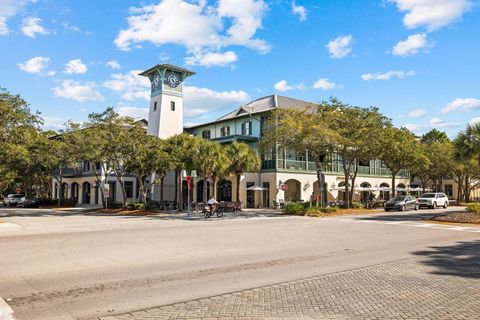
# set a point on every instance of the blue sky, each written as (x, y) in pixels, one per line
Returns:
(418, 61)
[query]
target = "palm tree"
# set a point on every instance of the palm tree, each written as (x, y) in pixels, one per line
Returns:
(209, 162)
(242, 159)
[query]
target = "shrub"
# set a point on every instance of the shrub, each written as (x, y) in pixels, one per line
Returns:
(152, 205)
(115, 205)
(313, 212)
(295, 208)
(328, 209)
(473, 207)
(357, 205)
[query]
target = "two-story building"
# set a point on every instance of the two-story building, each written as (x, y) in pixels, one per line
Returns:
(286, 175)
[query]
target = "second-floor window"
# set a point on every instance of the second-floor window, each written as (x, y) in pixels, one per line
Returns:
(155, 106)
(172, 105)
(86, 165)
(247, 128)
(225, 131)
(206, 134)
(129, 189)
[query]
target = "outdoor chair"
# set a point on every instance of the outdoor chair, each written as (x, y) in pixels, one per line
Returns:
(281, 203)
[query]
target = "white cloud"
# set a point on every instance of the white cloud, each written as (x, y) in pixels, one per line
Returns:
(76, 67)
(130, 85)
(432, 14)
(3, 26)
(434, 122)
(8, 9)
(474, 121)
(199, 27)
(78, 91)
(113, 64)
(412, 45)
(387, 75)
(133, 112)
(462, 104)
(282, 85)
(211, 59)
(197, 101)
(35, 65)
(340, 47)
(53, 123)
(417, 113)
(299, 11)
(324, 84)
(31, 26)
(68, 26)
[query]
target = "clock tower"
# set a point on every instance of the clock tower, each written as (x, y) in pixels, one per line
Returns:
(165, 117)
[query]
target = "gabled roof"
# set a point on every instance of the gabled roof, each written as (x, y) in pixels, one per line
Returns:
(168, 67)
(267, 103)
(263, 104)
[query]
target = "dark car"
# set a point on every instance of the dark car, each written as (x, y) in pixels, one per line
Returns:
(401, 203)
(29, 202)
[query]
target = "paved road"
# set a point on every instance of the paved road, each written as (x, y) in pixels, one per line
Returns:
(79, 266)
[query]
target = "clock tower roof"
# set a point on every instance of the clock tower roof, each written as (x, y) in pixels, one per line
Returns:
(168, 67)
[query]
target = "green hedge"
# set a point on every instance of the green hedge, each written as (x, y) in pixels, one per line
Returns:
(473, 207)
(302, 209)
(358, 205)
(135, 206)
(295, 208)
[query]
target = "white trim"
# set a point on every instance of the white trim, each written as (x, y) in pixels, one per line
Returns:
(6, 312)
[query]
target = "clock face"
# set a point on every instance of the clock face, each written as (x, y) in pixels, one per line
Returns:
(156, 83)
(172, 80)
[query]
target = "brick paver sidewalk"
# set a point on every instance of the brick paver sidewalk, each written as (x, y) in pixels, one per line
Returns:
(408, 289)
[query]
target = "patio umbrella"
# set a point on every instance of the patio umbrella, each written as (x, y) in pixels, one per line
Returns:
(256, 188)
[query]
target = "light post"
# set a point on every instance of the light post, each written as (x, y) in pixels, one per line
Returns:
(189, 179)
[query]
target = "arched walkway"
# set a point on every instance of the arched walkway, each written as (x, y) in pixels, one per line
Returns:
(341, 191)
(200, 191)
(74, 190)
(384, 193)
(86, 192)
(64, 190)
(401, 192)
(224, 190)
(365, 195)
(294, 190)
(327, 196)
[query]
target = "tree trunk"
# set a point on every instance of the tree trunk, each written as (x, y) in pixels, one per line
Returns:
(237, 177)
(467, 189)
(352, 187)
(60, 186)
(122, 186)
(318, 166)
(346, 173)
(214, 186)
(394, 175)
(205, 189)
(176, 186)
(162, 184)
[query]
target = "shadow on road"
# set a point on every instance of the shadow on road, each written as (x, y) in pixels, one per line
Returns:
(461, 259)
(403, 216)
(195, 216)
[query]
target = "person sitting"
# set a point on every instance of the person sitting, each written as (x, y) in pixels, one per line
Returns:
(212, 204)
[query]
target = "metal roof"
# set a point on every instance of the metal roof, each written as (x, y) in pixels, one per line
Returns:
(169, 67)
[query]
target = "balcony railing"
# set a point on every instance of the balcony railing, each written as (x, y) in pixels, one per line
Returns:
(297, 165)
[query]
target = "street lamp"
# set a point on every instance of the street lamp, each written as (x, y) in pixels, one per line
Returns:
(189, 179)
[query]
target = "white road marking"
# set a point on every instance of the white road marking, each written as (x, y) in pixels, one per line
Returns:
(419, 224)
(6, 313)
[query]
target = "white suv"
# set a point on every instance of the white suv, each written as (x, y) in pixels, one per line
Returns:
(433, 200)
(12, 199)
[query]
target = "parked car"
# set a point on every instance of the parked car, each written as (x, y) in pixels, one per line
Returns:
(12, 199)
(29, 202)
(401, 203)
(433, 200)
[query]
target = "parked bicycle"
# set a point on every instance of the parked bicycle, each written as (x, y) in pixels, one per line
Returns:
(212, 210)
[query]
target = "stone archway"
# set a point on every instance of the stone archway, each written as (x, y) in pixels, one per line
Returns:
(294, 190)
(224, 191)
(74, 188)
(384, 194)
(400, 192)
(86, 192)
(200, 191)
(365, 195)
(341, 191)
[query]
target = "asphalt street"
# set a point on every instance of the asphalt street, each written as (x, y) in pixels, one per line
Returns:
(78, 265)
